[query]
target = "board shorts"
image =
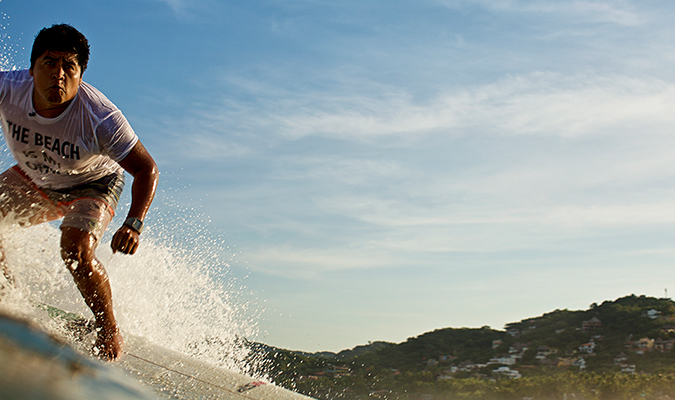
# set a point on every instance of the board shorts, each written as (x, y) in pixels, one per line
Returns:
(89, 207)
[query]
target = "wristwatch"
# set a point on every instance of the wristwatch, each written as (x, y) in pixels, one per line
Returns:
(135, 224)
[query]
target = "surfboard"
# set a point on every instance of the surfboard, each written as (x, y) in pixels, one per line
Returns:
(144, 371)
(178, 376)
(37, 365)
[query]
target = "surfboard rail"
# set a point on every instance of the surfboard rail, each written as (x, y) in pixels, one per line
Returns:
(37, 365)
(175, 374)
(56, 369)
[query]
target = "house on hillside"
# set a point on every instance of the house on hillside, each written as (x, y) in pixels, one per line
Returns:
(565, 361)
(620, 359)
(543, 352)
(513, 332)
(338, 371)
(504, 359)
(644, 345)
(653, 314)
(591, 324)
(628, 369)
(466, 366)
(506, 372)
(587, 347)
(579, 362)
(517, 348)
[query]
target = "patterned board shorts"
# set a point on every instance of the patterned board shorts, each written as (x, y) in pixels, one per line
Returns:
(89, 207)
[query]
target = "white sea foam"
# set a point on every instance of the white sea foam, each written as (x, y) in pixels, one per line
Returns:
(182, 299)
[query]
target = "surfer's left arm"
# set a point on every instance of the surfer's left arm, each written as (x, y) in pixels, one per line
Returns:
(140, 164)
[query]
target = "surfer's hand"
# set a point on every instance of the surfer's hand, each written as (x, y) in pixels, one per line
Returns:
(125, 240)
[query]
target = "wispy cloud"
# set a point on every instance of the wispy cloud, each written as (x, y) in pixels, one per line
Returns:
(177, 6)
(533, 104)
(583, 155)
(546, 104)
(188, 9)
(618, 12)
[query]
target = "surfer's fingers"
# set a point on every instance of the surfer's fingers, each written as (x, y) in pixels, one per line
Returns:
(132, 247)
(127, 248)
(125, 240)
(116, 242)
(132, 244)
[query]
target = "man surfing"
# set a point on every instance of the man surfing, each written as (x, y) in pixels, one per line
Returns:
(72, 146)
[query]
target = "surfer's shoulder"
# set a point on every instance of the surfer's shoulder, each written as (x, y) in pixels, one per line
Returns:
(96, 101)
(15, 77)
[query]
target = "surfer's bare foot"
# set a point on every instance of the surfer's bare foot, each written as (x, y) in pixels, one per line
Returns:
(108, 345)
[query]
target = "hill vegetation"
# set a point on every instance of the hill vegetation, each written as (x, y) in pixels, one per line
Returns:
(622, 349)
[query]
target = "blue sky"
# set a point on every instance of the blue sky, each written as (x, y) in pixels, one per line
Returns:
(386, 168)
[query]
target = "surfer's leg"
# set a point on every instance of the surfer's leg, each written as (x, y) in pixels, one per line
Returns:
(85, 220)
(78, 251)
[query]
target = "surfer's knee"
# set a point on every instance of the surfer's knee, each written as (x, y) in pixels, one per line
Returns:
(77, 248)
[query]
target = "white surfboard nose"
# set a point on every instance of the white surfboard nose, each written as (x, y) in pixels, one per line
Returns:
(37, 365)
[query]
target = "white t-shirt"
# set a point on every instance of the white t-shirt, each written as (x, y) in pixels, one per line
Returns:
(82, 144)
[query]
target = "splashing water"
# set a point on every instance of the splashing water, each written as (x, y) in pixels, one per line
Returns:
(181, 299)
(176, 291)
(8, 48)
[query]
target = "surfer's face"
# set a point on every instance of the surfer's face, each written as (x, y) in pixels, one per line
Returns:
(56, 77)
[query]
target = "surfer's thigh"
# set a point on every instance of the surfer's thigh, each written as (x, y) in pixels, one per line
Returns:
(21, 202)
(90, 207)
(89, 215)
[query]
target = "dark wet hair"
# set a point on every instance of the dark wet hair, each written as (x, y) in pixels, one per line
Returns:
(61, 37)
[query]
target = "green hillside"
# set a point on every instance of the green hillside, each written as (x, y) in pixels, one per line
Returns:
(618, 349)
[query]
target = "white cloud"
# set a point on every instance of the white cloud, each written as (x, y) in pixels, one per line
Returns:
(537, 103)
(343, 170)
(310, 264)
(540, 104)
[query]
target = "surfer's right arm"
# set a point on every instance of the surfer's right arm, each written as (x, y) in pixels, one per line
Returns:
(140, 164)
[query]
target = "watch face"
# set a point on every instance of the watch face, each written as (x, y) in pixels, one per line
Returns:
(135, 224)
